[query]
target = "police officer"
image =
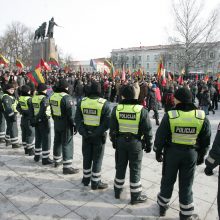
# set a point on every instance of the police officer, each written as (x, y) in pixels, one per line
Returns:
(24, 108)
(181, 142)
(41, 121)
(130, 132)
(9, 104)
(2, 120)
(92, 121)
(63, 113)
(213, 160)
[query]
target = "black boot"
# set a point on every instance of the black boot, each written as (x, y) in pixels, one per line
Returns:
(189, 217)
(16, 145)
(70, 170)
(31, 151)
(57, 164)
(25, 150)
(2, 140)
(118, 194)
(163, 210)
(139, 199)
(7, 143)
(85, 182)
(36, 158)
(46, 161)
(100, 185)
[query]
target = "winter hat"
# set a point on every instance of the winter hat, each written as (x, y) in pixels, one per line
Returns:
(9, 86)
(25, 89)
(95, 88)
(41, 87)
(154, 86)
(128, 92)
(184, 95)
(63, 84)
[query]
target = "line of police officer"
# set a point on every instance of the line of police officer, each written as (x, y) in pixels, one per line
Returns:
(181, 142)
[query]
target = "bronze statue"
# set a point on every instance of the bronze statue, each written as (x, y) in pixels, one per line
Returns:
(50, 28)
(40, 32)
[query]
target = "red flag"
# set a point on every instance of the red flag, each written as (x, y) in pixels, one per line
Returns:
(44, 64)
(206, 79)
(160, 69)
(180, 80)
(197, 77)
(105, 72)
(19, 64)
(169, 77)
(123, 74)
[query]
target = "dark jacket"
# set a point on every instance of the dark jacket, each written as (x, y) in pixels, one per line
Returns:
(163, 133)
(213, 159)
(145, 127)
(152, 100)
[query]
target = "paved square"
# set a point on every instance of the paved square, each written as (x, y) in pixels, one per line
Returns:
(29, 190)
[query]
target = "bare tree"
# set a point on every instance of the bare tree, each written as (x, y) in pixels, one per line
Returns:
(195, 32)
(16, 42)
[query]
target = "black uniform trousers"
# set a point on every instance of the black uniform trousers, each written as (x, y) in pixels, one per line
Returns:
(28, 133)
(93, 152)
(183, 160)
(128, 150)
(218, 196)
(12, 129)
(2, 125)
(43, 138)
(63, 145)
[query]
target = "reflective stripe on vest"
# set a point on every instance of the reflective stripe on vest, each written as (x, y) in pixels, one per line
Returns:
(55, 101)
(128, 117)
(23, 101)
(185, 126)
(36, 101)
(92, 110)
(14, 104)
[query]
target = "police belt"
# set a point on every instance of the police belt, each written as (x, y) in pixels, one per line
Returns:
(183, 147)
(129, 136)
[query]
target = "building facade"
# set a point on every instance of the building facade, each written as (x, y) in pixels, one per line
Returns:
(148, 57)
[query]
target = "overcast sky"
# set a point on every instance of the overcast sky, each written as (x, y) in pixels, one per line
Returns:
(92, 28)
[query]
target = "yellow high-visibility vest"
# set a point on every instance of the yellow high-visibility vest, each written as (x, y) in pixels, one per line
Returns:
(185, 126)
(92, 110)
(55, 101)
(128, 117)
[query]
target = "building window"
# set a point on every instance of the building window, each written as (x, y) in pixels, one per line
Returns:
(133, 66)
(139, 58)
(127, 66)
(139, 65)
(210, 65)
(169, 65)
(148, 58)
(211, 55)
(148, 66)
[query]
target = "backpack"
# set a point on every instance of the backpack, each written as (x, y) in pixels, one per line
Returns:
(169, 99)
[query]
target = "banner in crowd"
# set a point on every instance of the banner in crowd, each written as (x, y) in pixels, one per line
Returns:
(53, 62)
(36, 76)
(19, 64)
(3, 60)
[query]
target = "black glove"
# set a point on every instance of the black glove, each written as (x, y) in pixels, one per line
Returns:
(159, 157)
(147, 149)
(12, 118)
(200, 160)
(208, 171)
(74, 130)
(104, 137)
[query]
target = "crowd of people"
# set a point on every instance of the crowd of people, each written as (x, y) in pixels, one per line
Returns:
(81, 102)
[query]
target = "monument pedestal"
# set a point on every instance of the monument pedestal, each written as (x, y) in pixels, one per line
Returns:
(44, 50)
